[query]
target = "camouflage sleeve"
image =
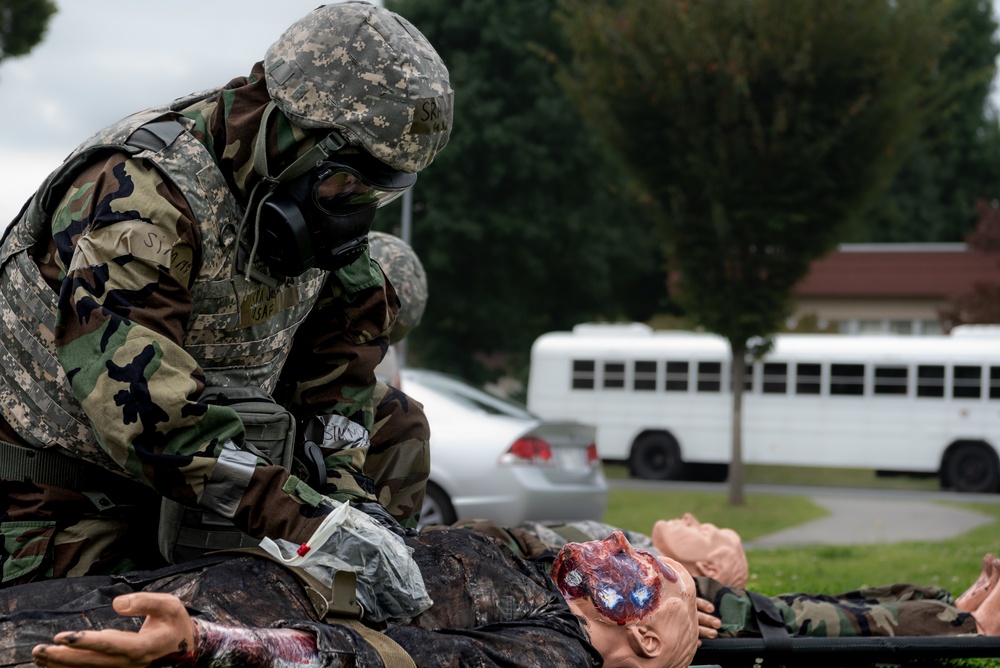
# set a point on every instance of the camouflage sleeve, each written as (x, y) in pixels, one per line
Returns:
(123, 252)
(331, 371)
(890, 610)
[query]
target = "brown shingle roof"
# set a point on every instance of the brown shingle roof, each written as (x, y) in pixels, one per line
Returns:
(899, 270)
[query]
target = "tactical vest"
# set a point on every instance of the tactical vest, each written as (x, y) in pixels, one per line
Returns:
(240, 330)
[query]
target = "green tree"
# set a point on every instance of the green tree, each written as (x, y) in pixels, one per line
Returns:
(22, 25)
(760, 127)
(955, 161)
(523, 223)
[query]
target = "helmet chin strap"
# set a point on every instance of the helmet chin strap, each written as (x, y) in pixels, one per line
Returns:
(330, 144)
(322, 150)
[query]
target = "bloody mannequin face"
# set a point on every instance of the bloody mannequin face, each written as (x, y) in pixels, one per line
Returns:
(703, 549)
(639, 610)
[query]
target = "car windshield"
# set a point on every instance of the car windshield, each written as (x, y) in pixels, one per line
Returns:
(467, 395)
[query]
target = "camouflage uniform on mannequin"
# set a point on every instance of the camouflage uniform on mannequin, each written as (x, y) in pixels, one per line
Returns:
(491, 609)
(900, 609)
(219, 241)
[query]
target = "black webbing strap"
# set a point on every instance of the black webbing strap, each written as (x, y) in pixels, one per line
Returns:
(49, 466)
(45, 467)
(771, 624)
(155, 136)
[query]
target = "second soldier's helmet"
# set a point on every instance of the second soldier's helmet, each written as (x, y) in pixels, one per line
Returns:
(367, 73)
(401, 264)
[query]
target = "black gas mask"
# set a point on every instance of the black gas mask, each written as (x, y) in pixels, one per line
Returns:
(321, 217)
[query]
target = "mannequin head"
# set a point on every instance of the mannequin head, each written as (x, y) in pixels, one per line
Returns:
(639, 610)
(703, 549)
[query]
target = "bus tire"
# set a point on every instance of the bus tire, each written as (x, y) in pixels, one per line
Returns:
(656, 456)
(972, 467)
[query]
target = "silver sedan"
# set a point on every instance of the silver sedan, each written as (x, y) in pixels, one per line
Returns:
(492, 459)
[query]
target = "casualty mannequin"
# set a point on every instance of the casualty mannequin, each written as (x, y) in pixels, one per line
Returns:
(635, 609)
(715, 554)
(718, 562)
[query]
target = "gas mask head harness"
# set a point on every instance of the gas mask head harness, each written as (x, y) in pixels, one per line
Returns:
(317, 212)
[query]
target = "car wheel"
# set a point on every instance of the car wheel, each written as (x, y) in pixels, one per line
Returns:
(437, 507)
(972, 467)
(656, 457)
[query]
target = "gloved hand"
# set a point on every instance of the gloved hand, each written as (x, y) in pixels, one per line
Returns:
(381, 516)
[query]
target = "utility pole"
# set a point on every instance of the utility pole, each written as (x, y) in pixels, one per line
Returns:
(406, 222)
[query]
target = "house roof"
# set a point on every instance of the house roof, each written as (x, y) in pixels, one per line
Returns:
(899, 270)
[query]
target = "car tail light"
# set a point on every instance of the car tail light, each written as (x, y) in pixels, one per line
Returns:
(528, 450)
(592, 458)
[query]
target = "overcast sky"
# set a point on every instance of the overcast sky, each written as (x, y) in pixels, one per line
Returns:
(103, 59)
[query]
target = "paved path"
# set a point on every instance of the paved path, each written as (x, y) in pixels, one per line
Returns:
(857, 516)
(866, 520)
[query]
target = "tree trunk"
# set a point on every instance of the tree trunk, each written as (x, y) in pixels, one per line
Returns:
(739, 369)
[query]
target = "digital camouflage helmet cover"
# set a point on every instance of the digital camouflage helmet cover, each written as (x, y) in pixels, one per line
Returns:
(367, 73)
(400, 263)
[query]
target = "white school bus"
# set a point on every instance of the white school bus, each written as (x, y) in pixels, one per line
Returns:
(662, 402)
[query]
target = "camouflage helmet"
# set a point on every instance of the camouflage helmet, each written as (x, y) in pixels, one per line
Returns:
(401, 264)
(367, 73)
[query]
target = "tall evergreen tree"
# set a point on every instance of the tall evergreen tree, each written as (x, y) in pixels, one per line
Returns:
(955, 161)
(524, 223)
(761, 127)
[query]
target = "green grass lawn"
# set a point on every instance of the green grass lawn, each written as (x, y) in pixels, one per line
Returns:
(952, 564)
(821, 477)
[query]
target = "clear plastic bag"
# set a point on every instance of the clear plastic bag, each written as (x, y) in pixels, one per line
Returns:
(390, 586)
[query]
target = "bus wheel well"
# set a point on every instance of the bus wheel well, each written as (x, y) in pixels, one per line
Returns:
(656, 455)
(971, 466)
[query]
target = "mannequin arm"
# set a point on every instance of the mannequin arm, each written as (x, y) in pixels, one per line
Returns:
(169, 636)
(168, 630)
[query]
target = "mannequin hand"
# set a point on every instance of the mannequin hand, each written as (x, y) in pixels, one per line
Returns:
(708, 624)
(168, 629)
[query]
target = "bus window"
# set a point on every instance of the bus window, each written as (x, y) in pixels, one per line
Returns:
(775, 378)
(677, 377)
(807, 378)
(966, 382)
(583, 374)
(709, 376)
(644, 377)
(930, 381)
(614, 375)
(995, 382)
(747, 379)
(890, 379)
(847, 379)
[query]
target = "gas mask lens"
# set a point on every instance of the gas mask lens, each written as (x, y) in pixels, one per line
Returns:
(340, 188)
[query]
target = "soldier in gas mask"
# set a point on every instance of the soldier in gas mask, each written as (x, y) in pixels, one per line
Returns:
(192, 288)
